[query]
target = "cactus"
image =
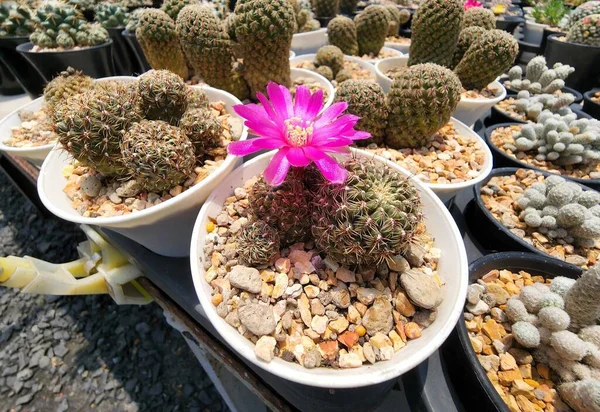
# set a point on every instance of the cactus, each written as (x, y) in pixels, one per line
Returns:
(330, 56)
(526, 334)
(91, 127)
(539, 78)
(264, 29)
(542, 106)
(209, 50)
(549, 12)
(342, 33)
(348, 6)
(197, 99)
(325, 71)
(258, 243)
(326, 8)
(586, 9)
(157, 155)
(342, 76)
(366, 100)
(61, 26)
(586, 31)
(158, 38)
(421, 100)
(67, 84)
(581, 302)
(109, 15)
(489, 56)
(371, 29)
(174, 7)
(583, 395)
(435, 30)
(466, 38)
(15, 20)
(203, 129)
(162, 96)
(479, 17)
(285, 207)
(369, 219)
(396, 18)
(134, 20)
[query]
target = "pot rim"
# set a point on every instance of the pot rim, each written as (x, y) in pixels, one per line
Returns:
(554, 38)
(25, 48)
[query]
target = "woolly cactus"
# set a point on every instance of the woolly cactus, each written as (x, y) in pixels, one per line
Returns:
(366, 100)
(526, 334)
(554, 318)
(371, 28)
(342, 33)
(490, 55)
(258, 243)
(586, 31)
(203, 129)
(560, 285)
(372, 193)
(157, 155)
(421, 100)
(209, 50)
(435, 30)
(162, 95)
(479, 17)
(539, 78)
(582, 395)
(532, 106)
(67, 84)
(158, 38)
(264, 29)
(15, 20)
(330, 56)
(326, 8)
(568, 345)
(110, 15)
(581, 301)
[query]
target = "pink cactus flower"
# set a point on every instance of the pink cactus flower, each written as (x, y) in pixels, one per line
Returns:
(300, 134)
(471, 3)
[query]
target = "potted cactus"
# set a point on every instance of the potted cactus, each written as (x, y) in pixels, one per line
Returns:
(62, 38)
(16, 73)
(129, 36)
(114, 18)
(309, 35)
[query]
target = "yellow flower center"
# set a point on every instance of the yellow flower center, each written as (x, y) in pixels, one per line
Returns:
(298, 131)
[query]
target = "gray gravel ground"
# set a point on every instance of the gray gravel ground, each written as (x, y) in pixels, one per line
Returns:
(85, 353)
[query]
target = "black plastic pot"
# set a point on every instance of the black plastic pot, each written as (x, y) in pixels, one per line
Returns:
(589, 106)
(9, 86)
(134, 45)
(585, 59)
(498, 116)
(124, 57)
(18, 68)
(509, 23)
(464, 370)
(492, 234)
(324, 20)
(96, 61)
(547, 33)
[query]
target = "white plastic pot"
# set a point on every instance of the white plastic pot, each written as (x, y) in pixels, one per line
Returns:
(292, 54)
(394, 53)
(362, 63)
(322, 81)
(37, 154)
(401, 47)
(452, 269)
(166, 228)
(382, 67)
(310, 41)
(469, 111)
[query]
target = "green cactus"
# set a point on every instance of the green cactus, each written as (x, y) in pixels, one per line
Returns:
(342, 76)
(396, 18)
(197, 99)
(325, 8)
(263, 30)
(435, 29)
(366, 99)
(332, 57)
(157, 35)
(342, 33)
(421, 100)
(586, 31)
(479, 17)
(67, 84)
(348, 6)
(325, 71)
(369, 219)
(110, 15)
(203, 129)
(134, 20)
(258, 243)
(162, 96)
(15, 20)
(466, 38)
(91, 127)
(490, 55)
(371, 29)
(173, 7)
(209, 50)
(586, 9)
(157, 155)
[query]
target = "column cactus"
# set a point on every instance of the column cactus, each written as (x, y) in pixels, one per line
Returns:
(435, 30)
(157, 35)
(372, 26)
(209, 50)
(479, 17)
(325, 8)
(263, 30)
(342, 33)
(466, 38)
(581, 301)
(421, 100)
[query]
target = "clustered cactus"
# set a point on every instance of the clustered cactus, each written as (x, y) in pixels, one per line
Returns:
(586, 9)
(585, 31)
(562, 211)
(304, 17)
(538, 77)
(563, 141)
(533, 106)
(110, 15)
(549, 12)
(559, 322)
(331, 57)
(67, 84)
(58, 25)
(15, 20)
(153, 131)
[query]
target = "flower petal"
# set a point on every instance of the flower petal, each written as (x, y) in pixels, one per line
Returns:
(281, 99)
(250, 111)
(278, 168)
(331, 113)
(297, 157)
(272, 114)
(335, 128)
(249, 146)
(357, 135)
(301, 101)
(327, 165)
(315, 104)
(265, 129)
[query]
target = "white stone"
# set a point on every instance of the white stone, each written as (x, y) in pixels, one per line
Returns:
(319, 324)
(350, 360)
(265, 348)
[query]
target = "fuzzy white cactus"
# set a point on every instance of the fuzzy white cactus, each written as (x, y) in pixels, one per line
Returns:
(538, 77)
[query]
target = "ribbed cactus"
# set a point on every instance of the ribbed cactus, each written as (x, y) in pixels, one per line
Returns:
(421, 100)
(583, 395)
(371, 29)
(489, 56)
(435, 30)
(466, 38)
(586, 31)
(258, 243)
(157, 35)
(581, 302)
(67, 84)
(15, 20)
(209, 50)
(111, 15)
(479, 17)
(342, 33)
(369, 219)
(162, 96)
(263, 30)
(365, 99)
(203, 129)
(325, 8)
